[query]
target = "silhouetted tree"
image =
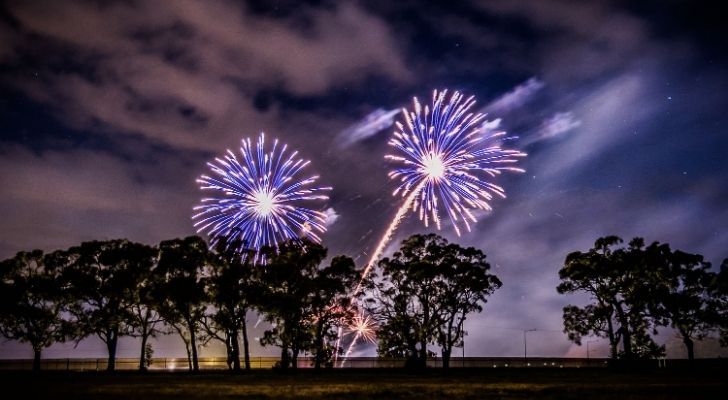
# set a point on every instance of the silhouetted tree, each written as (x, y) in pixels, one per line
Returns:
(145, 319)
(719, 302)
(593, 319)
(286, 290)
(614, 278)
(231, 288)
(181, 298)
(423, 295)
(404, 299)
(32, 300)
(467, 285)
(105, 277)
(679, 292)
(330, 304)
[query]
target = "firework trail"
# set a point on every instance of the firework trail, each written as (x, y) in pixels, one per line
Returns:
(388, 233)
(447, 158)
(258, 197)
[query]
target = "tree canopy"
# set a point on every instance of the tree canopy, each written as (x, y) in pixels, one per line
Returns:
(32, 300)
(423, 295)
(182, 297)
(636, 289)
(302, 300)
(106, 277)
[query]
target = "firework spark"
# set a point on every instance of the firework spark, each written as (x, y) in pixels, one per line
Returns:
(258, 198)
(364, 328)
(449, 158)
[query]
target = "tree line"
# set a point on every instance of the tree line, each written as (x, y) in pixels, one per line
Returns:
(116, 288)
(419, 297)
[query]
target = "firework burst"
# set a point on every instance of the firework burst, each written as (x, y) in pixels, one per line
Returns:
(258, 198)
(363, 327)
(448, 158)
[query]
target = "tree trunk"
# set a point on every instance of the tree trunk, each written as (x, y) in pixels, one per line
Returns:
(627, 343)
(235, 350)
(319, 346)
(423, 355)
(142, 356)
(285, 358)
(36, 360)
(246, 346)
(111, 340)
(413, 355)
(689, 345)
(424, 335)
(189, 356)
(294, 358)
(229, 351)
(446, 357)
(613, 342)
(626, 335)
(193, 345)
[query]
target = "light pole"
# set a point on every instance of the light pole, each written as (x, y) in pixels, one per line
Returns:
(465, 333)
(525, 347)
(588, 357)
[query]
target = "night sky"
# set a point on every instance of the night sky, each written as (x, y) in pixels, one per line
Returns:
(110, 110)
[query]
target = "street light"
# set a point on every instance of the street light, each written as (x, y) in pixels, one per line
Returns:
(587, 348)
(525, 347)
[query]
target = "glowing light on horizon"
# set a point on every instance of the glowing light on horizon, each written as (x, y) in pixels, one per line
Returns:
(258, 198)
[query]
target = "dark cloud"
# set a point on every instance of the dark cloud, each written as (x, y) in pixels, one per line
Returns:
(187, 74)
(110, 111)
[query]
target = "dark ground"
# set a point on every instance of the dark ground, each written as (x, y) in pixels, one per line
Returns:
(381, 384)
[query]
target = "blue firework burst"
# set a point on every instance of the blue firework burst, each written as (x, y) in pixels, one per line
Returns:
(450, 155)
(258, 198)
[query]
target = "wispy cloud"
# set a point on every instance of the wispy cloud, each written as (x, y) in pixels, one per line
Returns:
(553, 126)
(515, 98)
(375, 122)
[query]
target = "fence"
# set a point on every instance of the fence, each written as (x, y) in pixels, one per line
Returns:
(220, 363)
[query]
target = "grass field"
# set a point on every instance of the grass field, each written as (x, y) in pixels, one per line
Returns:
(381, 384)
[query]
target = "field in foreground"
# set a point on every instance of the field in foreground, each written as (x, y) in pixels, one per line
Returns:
(383, 384)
